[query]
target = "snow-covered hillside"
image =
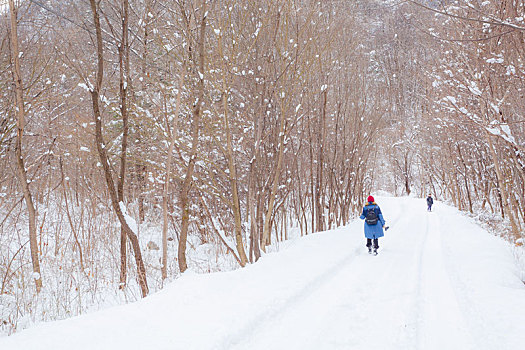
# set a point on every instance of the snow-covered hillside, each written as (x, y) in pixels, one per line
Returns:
(439, 282)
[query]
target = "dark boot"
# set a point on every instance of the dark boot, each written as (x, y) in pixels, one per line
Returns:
(376, 245)
(369, 245)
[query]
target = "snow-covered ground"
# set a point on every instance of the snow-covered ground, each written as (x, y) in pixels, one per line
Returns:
(439, 282)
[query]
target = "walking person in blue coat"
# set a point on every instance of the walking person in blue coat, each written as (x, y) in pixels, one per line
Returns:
(430, 201)
(374, 223)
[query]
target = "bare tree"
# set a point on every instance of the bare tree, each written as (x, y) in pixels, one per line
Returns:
(21, 121)
(101, 147)
(198, 70)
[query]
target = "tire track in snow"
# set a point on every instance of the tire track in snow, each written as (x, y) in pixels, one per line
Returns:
(258, 321)
(419, 302)
(484, 338)
(442, 324)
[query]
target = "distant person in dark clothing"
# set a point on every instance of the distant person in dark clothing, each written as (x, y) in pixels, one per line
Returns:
(374, 223)
(430, 201)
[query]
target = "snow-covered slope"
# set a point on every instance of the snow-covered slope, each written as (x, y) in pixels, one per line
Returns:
(439, 282)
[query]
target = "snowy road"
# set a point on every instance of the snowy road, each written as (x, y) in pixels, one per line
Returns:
(439, 282)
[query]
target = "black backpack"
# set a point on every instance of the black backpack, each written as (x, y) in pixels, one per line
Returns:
(371, 216)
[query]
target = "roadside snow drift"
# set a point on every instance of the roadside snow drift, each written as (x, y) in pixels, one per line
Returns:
(439, 282)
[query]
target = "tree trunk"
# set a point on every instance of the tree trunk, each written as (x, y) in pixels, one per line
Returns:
(407, 174)
(501, 186)
(140, 168)
(187, 184)
(465, 178)
(140, 171)
(123, 52)
(70, 218)
(22, 173)
(319, 193)
(173, 138)
(267, 219)
(236, 205)
(101, 148)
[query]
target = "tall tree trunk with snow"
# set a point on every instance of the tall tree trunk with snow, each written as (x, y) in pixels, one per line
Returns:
(123, 53)
(319, 186)
(236, 205)
(173, 138)
(140, 167)
(502, 187)
(255, 247)
(22, 172)
(267, 229)
(101, 148)
(195, 129)
(229, 152)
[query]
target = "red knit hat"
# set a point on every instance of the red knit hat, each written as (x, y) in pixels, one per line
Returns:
(370, 199)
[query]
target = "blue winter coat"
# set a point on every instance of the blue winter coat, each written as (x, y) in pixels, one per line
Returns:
(373, 231)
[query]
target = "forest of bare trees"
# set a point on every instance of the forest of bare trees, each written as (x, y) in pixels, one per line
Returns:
(140, 138)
